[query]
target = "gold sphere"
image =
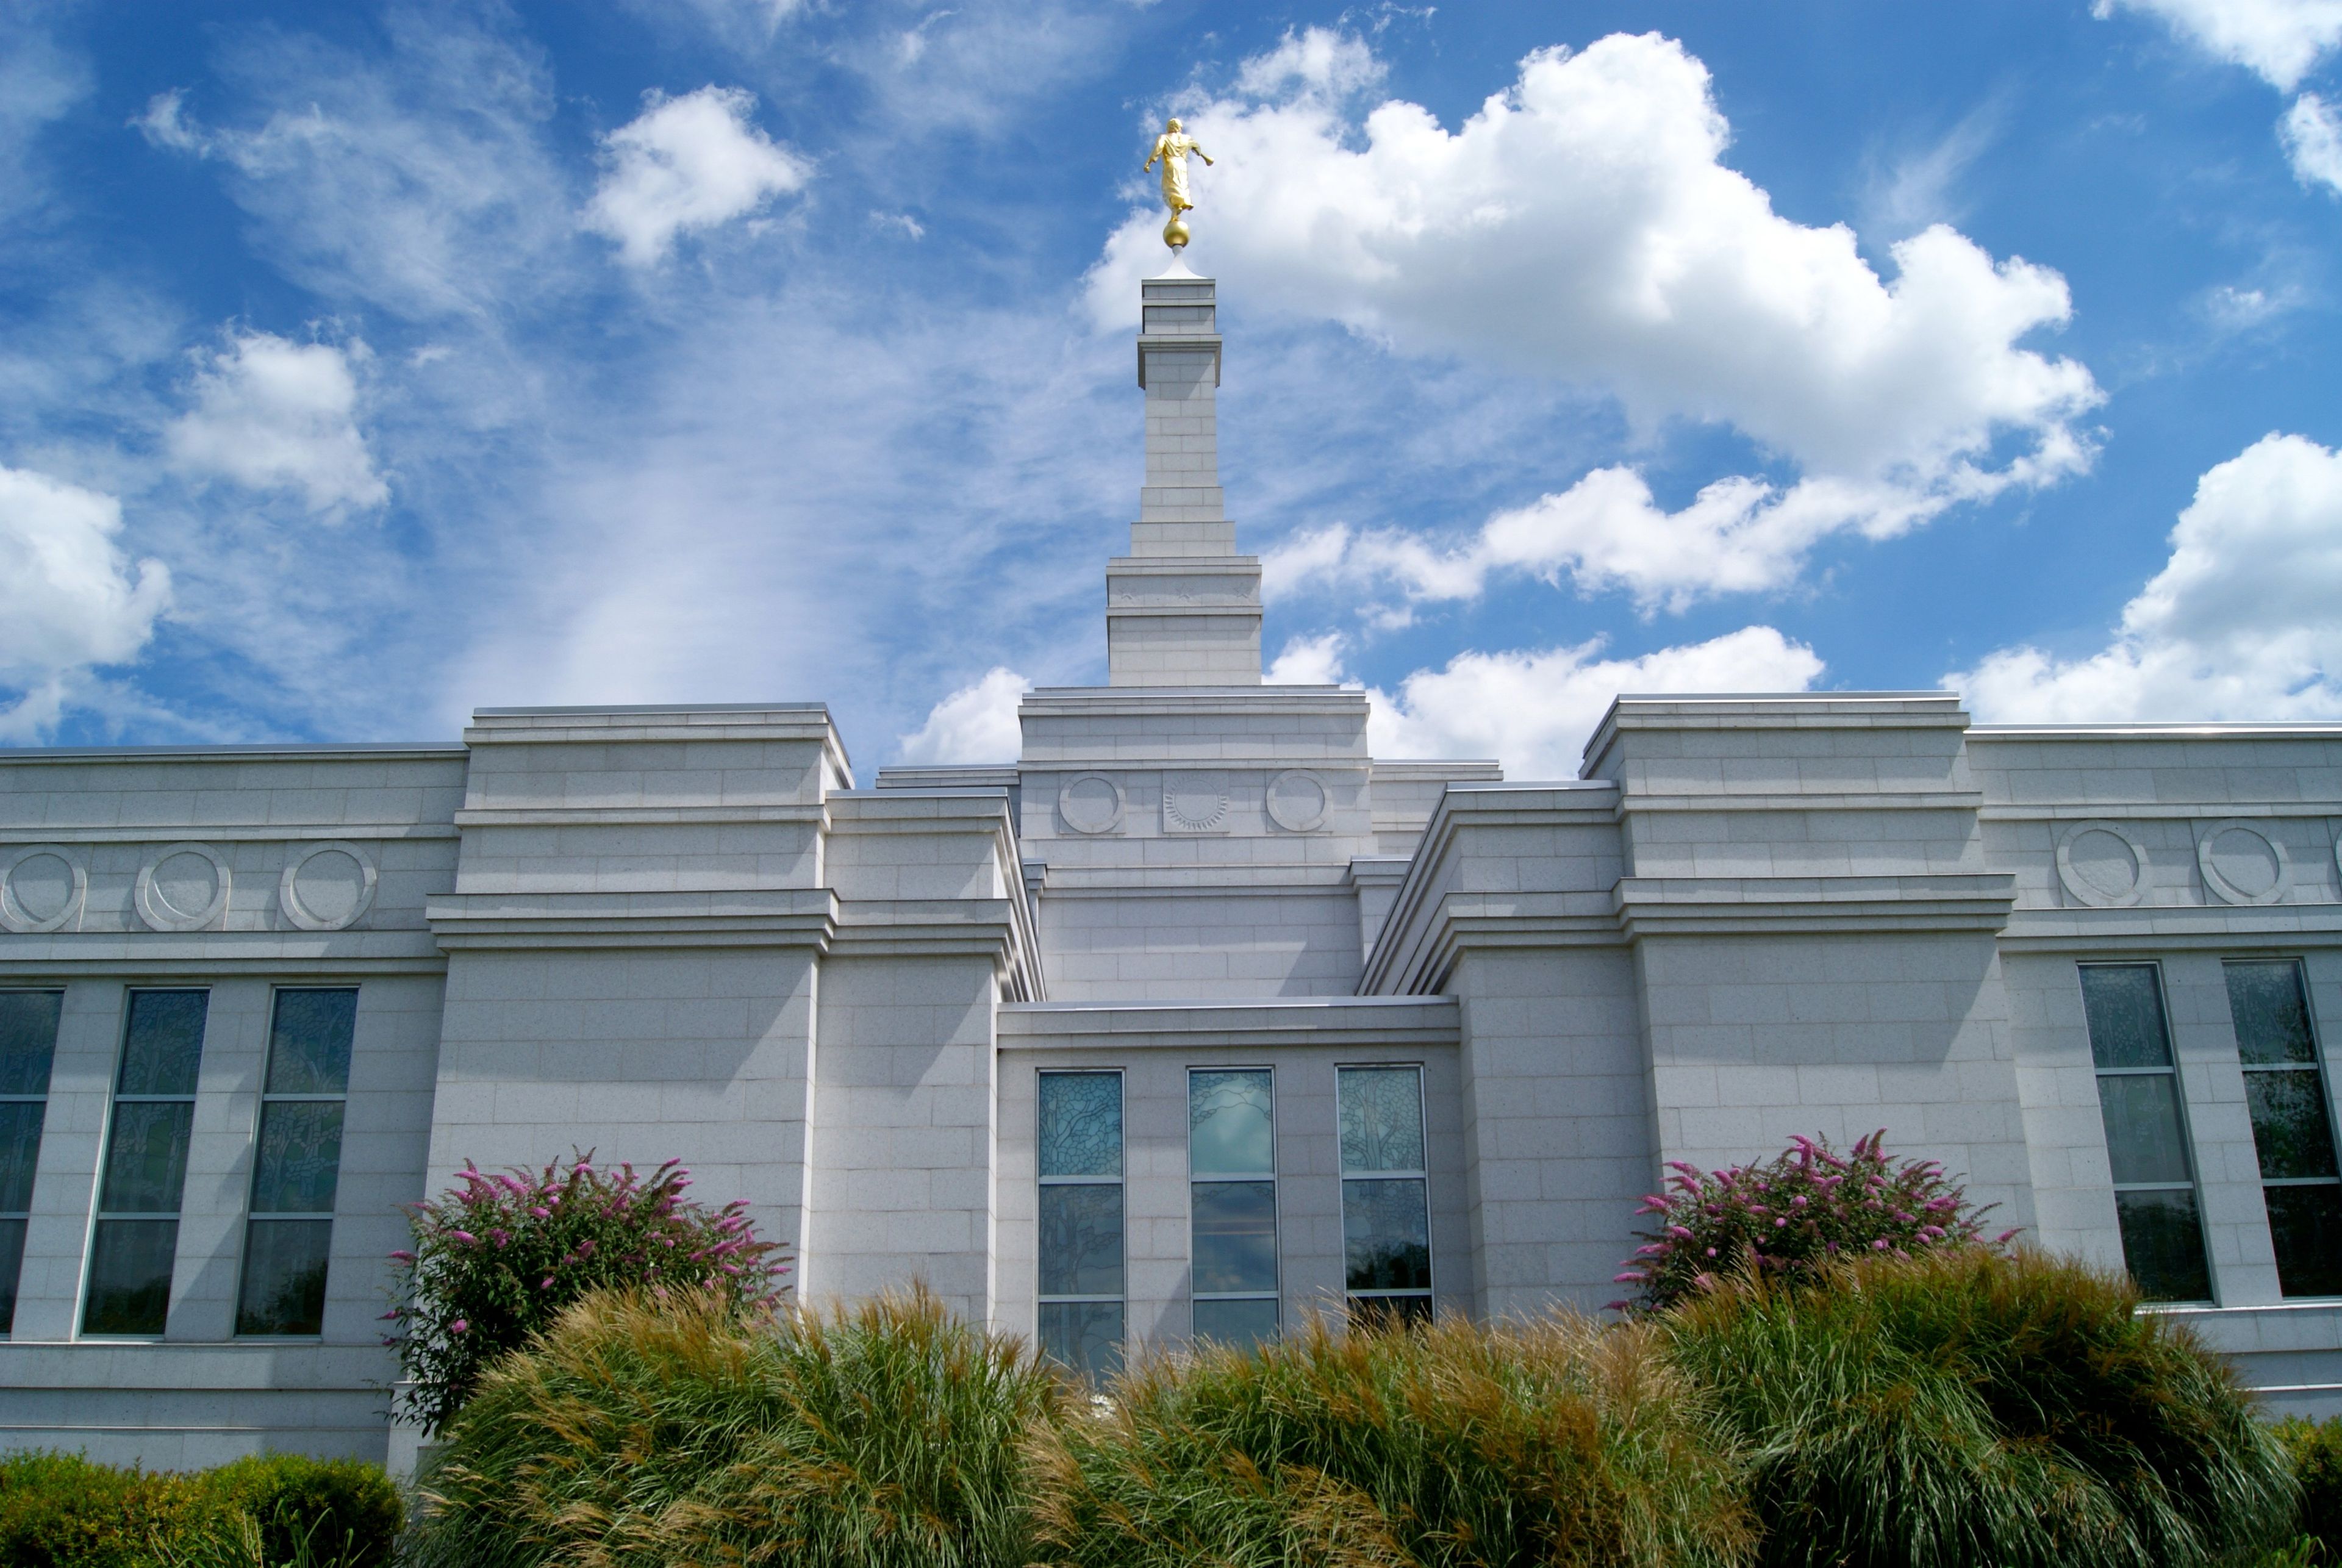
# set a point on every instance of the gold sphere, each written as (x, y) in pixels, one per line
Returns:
(1175, 233)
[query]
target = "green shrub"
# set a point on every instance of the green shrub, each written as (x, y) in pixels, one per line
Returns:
(1459, 1443)
(497, 1258)
(1962, 1407)
(342, 1509)
(1796, 1213)
(649, 1430)
(269, 1512)
(2317, 1452)
(61, 1511)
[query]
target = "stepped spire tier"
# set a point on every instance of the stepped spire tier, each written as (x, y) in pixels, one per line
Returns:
(1183, 608)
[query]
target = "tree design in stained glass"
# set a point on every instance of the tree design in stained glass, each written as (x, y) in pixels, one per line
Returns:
(28, 1039)
(2271, 1016)
(1230, 1124)
(1382, 1119)
(2124, 1012)
(164, 1046)
(1081, 1124)
(300, 1158)
(309, 1042)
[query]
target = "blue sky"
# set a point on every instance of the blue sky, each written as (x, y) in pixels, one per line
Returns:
(361, 365)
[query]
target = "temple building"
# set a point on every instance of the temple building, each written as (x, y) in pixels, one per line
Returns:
(1195, 1019)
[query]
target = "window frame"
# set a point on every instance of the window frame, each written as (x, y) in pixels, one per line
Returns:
(25, 1215)
(1275, 1293)
(98, 1213)
(2194, 1185)
(2316, 1063)
(1344, 1175)
(1119, 1180)
(251, 1215)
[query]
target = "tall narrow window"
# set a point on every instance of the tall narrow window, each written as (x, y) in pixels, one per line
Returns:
(2293, 1123)
(1386, 1205)
(2147, 1133)
(28, 1044)
(138, 1232)
(299, 1163)
(1080, 1161)
(1232, 1190)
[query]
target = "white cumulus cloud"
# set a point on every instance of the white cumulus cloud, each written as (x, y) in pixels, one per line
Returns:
(685, 165)
(2281, 40)
(977, 723)
(1532, 709)
(1582, 225)
(1603, 533)
(68, 598)
(2240, 623)
(274, 414)
(2312, 133)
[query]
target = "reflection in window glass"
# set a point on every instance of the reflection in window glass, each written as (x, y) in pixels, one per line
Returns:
(1385, 1203)
(1079, 1148)
(136, 1236)
(2155, 1200)
(28, 1044)
(2293, 1122)
(296, 1170)
(1232, 1203)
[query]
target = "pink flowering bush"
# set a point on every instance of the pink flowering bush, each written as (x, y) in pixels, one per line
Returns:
(497, 1256)
(1794, 1213)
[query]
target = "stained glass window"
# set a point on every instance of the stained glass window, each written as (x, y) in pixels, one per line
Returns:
(296, 1168)
(28, 1044)
(2293, 1122)
(1385, 1197)
(1080, 1157)
(2155, 1200)
(1232, 1201)
(135, 1240)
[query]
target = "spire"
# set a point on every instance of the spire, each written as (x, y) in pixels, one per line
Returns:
(1183, 608)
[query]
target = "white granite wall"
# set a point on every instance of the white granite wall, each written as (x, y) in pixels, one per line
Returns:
(903, 1133)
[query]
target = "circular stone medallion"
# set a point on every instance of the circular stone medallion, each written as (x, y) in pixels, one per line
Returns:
(183, 887)
(2241, 863)
(2101, 865)
(1296, 802)
(1090, 803)
(327, 887)
(41, 888)
(1194, 803)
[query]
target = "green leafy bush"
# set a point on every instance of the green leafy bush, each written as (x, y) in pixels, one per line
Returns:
(497, 1257)
(2316, 1449)
(340, 1508)
(1961, 1407)
(1794, 1215)
(62, 1511)
(1551, 1443)
(650, 1431)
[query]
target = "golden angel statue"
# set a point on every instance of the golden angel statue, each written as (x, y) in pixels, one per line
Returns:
(1173, 147)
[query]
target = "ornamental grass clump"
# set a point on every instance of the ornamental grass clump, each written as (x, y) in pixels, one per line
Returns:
(1960, 1406)
(1458, 1445)
(1798, 1211)
(498, 1256)
(654, 1431)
